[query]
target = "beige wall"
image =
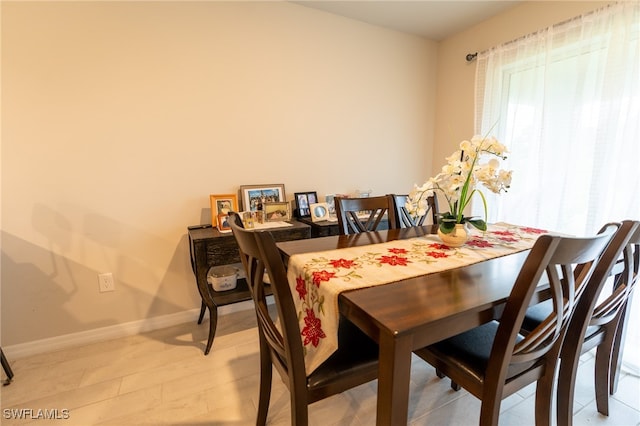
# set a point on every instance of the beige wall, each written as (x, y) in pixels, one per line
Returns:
(120, 118)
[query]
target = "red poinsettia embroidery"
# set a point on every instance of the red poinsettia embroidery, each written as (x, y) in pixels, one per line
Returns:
(437, 254)
(312, 330)
(534, 230)
(508, 239)
(320, 276)
(477, 242)
(507, 233)
(439, 246)
(342, 263)
(301, 287)
(397, 251)
(394, 260)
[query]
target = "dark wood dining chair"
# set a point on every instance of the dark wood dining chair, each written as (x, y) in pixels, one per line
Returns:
(7, 368)
(362, 214)
(401, 217)
(494, 360)
(355, 362)
(596, 324)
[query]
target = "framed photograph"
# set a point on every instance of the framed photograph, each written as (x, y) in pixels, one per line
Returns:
(276, 212)
(303, 201)
(223, 223)
(330, 200)
(222, 204)
(319, 212)
(254, 196)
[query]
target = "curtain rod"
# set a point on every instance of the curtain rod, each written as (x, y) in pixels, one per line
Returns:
(472, 56)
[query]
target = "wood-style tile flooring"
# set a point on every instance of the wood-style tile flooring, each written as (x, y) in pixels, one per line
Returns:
(163, 378)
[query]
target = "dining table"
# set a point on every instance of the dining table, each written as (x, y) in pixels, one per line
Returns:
(406, 314)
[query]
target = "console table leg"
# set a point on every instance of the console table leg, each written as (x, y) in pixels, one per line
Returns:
(213, 323)
(203, 308)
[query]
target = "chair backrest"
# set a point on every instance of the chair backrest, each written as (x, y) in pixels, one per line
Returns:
(364, 214)
(568, 264)
(624, 243)
(258, 253)
(401, 217)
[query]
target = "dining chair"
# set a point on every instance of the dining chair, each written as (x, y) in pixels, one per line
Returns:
(7, 368)
(598, 322)
(362, 214)
(494, 360)
(401, 217)
(355, 362)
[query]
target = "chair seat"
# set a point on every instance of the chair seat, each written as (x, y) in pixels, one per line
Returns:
(470, 352)
(357, 356)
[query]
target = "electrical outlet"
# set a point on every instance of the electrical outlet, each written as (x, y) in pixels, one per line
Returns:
(106, 282)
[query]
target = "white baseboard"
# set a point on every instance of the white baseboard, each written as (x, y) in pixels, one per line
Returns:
(117, 331)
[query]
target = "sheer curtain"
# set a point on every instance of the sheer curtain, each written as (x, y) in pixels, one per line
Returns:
(566, 101)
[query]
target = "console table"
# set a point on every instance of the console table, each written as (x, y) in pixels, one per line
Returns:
(323, 228)
(208, 247)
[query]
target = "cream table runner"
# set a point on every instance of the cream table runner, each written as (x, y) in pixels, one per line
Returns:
(316, 279)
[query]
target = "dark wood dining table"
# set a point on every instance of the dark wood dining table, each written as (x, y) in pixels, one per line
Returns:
(409, 314)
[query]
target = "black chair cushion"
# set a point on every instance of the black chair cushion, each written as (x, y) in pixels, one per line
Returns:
(470, 351)
(536, 314)
(356, 353)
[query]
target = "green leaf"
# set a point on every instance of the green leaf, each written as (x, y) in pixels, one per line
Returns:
(447, 226)
(479, 223)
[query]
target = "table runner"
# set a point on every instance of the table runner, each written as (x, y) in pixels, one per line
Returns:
(316, 279)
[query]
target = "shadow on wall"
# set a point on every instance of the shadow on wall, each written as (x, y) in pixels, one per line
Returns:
(47, 293)
(38, 288)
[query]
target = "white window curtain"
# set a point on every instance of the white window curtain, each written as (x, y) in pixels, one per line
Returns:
(566, 102)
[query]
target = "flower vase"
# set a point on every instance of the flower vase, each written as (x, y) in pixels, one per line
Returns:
(455, 238)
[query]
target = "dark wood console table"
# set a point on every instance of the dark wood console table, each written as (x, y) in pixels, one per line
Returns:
(208, 247)
(323, 228)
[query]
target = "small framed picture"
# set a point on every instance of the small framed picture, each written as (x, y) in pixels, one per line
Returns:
(276, 212)
(255, 196)
(223, 223)
(303, 201)
(319, 212)
(222, 204)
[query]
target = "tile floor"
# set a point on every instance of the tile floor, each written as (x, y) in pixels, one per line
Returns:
(163, 378)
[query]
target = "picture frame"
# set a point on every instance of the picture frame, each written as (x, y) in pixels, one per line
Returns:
(253, 196)
(319, 212)
(276, 212)
(222, 223)
(222, 204)
(303, 202)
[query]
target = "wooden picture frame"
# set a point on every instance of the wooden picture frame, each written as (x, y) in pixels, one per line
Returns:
(303, 202)
(222, 204)
(253, 196)
(276, 212)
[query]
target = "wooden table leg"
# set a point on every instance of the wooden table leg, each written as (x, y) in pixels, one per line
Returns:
(394, 372)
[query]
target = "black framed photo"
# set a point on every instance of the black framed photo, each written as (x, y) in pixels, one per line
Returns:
(303, 203)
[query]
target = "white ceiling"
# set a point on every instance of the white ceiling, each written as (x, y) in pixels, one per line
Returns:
(435, 20)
